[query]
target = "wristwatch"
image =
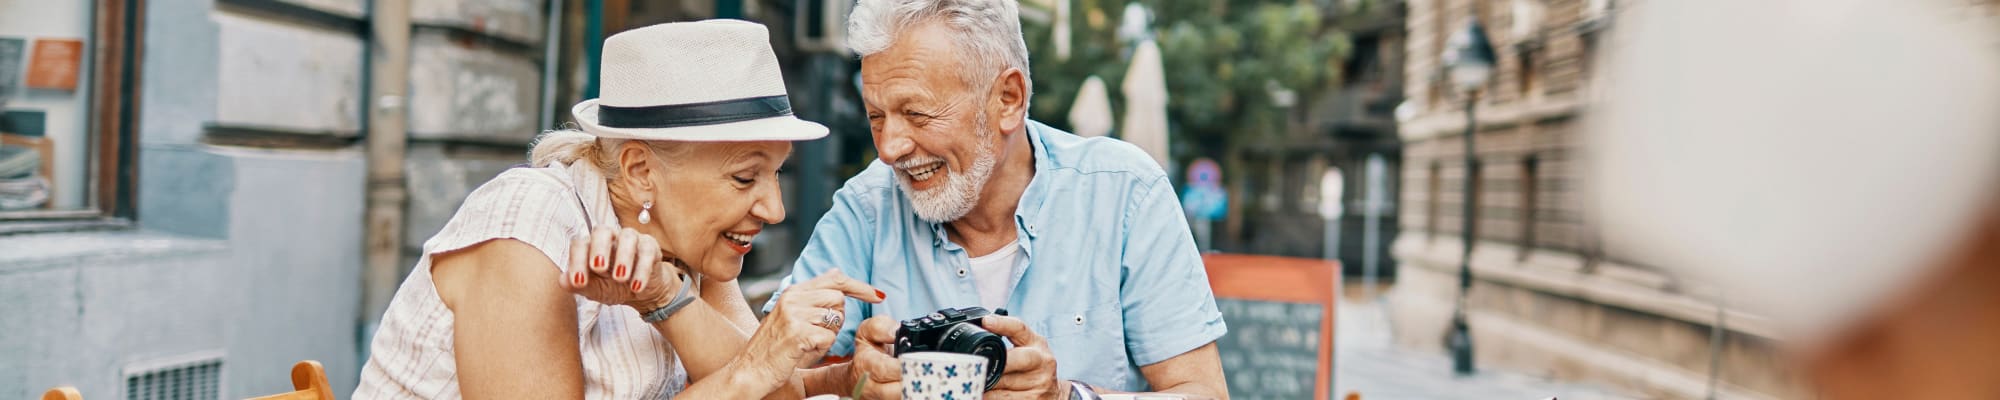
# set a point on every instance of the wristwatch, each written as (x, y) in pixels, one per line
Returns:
(1082, 391)
(681, 299)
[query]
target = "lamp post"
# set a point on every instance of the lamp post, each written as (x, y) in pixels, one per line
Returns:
(1468, 62)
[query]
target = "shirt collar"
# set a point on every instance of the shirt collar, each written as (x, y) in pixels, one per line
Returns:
(1027, 211)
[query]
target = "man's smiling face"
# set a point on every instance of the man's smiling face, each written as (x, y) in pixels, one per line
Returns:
(929, 121)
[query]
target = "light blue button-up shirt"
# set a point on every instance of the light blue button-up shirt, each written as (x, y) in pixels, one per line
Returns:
(1113, 278)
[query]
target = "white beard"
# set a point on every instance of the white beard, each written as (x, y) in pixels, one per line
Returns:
(956, 196)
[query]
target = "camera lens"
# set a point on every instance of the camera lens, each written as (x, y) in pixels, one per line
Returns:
(971, 339)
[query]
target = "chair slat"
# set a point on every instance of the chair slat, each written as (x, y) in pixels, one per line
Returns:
(308, 383)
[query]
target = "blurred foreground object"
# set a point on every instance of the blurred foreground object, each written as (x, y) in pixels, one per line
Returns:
(1764, 145)
(1830, 164)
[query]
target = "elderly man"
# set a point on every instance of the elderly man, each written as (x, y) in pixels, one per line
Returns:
(972, 204)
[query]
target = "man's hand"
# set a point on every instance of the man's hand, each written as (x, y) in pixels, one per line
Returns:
(1031, 367)
(872, 348)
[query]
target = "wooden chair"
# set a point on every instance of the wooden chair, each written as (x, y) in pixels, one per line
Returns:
(308, 380)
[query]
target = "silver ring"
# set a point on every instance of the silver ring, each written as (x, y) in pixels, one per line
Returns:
(830, 320)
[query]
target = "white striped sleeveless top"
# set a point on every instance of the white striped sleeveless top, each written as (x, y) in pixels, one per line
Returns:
(623, 357)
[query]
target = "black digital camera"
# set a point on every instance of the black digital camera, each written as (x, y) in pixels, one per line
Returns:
(956, 331)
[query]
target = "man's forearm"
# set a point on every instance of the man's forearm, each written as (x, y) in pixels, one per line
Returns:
(1195, 374)
(1188, 390)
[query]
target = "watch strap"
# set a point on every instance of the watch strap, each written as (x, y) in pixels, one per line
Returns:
(1082, 391)
(681, 299)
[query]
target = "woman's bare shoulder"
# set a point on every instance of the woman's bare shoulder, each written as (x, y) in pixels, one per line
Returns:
(506, 236)
(498, 267)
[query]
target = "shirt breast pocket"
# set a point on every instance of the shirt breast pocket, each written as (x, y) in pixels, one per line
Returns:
(1089, 344)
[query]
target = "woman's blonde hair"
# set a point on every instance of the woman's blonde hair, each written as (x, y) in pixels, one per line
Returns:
(567, 146)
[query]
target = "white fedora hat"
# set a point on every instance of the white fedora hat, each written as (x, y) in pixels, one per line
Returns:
(707, 81)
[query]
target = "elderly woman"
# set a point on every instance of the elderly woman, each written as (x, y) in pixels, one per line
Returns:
(608, 268)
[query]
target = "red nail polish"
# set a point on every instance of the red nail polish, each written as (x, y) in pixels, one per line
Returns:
(578, 279)
(635, 285)
(880, 295)
(620, 272)
(597, 262)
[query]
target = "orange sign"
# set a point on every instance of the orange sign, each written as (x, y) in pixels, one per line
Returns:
(1275, 281)
(54, 64)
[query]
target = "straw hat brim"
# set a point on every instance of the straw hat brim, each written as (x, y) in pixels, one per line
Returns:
(785, 128)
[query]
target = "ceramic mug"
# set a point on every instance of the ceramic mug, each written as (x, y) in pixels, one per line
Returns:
(929, 375)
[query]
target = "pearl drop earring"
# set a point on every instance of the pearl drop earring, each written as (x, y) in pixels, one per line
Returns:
(646, 213)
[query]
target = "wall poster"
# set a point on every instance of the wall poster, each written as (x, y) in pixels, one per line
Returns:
(55, 64)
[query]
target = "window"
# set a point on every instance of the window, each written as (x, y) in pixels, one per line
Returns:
(1434, 93)
(1596, 8)
(1530, 176)
(1475, 181)
(1435, 204)
(1586, 61)
(1527, 19)
(66, 111)
(1525, 74)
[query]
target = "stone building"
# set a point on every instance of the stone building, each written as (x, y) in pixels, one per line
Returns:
(1547, 296)
(223, 238)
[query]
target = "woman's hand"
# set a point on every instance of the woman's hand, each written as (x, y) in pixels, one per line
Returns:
(801, 327)
(621, 267)
(805, 322)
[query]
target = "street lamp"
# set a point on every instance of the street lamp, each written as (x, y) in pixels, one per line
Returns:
(1468, 62)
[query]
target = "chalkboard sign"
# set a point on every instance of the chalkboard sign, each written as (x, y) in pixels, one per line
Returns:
(1280, 316)
(1272, 349)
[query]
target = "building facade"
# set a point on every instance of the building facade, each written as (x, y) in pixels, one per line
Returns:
(223, 236)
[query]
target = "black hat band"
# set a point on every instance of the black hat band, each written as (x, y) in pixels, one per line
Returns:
(680, 115)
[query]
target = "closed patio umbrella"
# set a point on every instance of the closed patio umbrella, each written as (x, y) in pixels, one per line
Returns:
(1090, 115)
(1145, 90)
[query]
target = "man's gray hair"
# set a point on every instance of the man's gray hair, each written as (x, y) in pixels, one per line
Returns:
(990, 29)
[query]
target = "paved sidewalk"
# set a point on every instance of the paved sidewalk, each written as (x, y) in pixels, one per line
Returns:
(1370, 363)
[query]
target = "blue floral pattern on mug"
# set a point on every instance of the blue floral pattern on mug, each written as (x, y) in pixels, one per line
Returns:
(946, 376)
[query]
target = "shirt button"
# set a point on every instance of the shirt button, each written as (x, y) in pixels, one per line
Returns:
(961, 272)
(1079, 320)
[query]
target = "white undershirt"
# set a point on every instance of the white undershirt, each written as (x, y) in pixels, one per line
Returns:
(994, 275)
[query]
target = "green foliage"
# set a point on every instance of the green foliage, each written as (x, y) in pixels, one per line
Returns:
(1220, 56)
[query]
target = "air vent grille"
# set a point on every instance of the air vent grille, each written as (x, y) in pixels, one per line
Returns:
(199, 379)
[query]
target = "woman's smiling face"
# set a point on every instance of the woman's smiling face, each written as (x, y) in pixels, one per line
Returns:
(714, 198)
